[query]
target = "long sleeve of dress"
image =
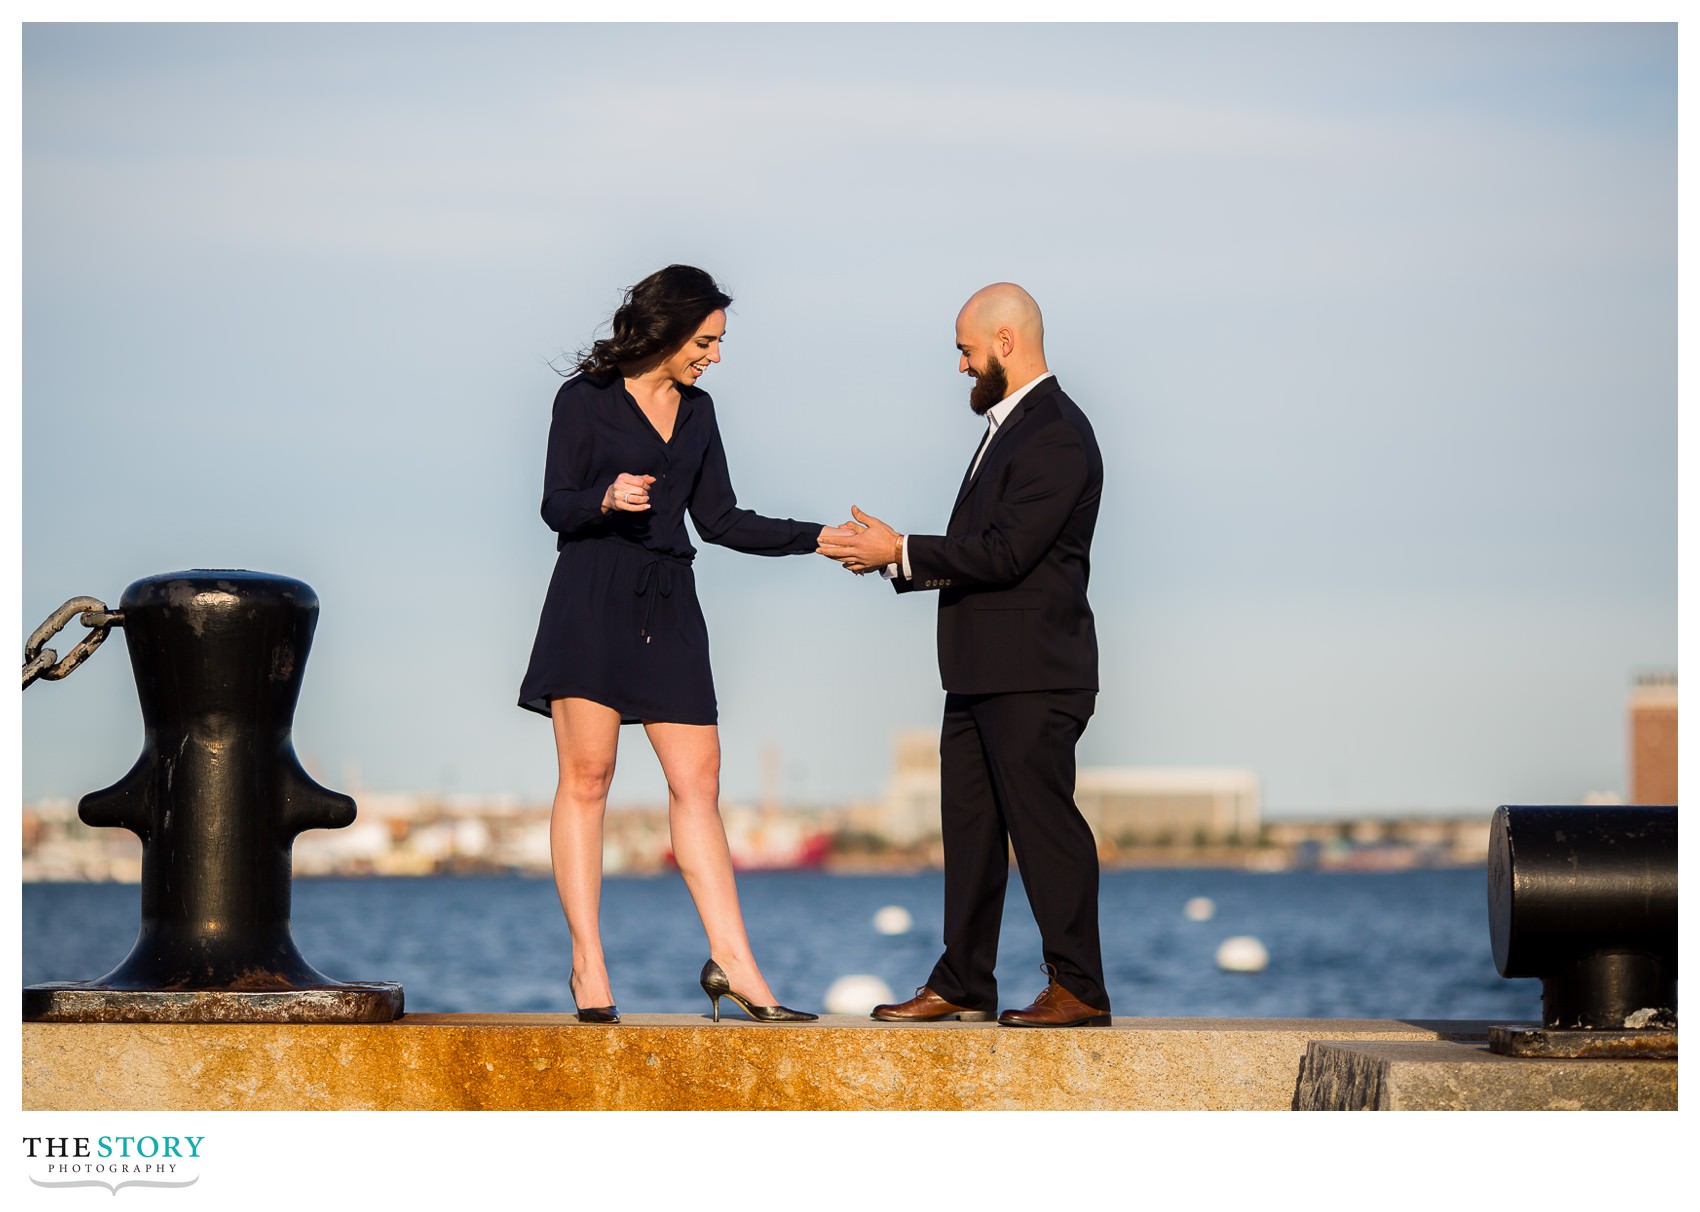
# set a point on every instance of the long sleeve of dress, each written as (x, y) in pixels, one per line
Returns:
(572, 505)
(714, 510)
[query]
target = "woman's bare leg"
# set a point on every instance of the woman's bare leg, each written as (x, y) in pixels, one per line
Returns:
(587, 735)
(690, 758)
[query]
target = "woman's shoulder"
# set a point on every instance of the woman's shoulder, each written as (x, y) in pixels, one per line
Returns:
(581, 386)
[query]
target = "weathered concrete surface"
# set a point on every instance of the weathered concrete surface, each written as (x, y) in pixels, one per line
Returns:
(1380, 1075)
(1559, 1044)
(683, 1062)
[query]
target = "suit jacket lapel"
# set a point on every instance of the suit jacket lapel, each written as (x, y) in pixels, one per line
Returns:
(999, 447)
(968, 476)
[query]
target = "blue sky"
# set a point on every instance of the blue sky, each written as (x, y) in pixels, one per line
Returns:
(1376, 324)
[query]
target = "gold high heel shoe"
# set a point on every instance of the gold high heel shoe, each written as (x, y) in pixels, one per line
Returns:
(716, 984)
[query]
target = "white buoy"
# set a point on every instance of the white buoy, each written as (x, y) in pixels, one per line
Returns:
(893, 919)
(1200, 909)
(857, 994)
(1242, 953)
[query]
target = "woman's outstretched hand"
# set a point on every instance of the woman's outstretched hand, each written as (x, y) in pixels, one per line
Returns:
(862, 545)
(628, 493)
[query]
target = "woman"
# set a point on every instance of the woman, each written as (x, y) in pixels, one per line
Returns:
(633, 445)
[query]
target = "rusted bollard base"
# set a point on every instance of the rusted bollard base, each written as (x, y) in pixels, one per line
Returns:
(1650, 1043)
(82, 1002)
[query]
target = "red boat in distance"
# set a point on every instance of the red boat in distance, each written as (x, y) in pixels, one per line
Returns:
(769, 842)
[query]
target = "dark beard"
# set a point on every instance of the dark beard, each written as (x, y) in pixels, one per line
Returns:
(989, 388)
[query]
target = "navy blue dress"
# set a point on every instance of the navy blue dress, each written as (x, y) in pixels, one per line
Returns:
(621, 624)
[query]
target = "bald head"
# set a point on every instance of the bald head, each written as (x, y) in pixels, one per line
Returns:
(1001, 324)
(1004, 305)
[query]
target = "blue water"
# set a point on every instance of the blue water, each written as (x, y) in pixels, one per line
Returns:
(1341, 945)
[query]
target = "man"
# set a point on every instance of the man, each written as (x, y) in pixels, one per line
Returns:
(1019, 659)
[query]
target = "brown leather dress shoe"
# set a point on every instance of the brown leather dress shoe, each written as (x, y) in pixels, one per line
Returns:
(1055, 1007)
(928, 1007)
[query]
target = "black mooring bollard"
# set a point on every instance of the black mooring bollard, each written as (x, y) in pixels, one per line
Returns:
(1585, 899)
(217, 798)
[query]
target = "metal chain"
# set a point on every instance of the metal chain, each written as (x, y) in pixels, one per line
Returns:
(43, 662)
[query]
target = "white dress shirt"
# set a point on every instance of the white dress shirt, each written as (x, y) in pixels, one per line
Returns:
(995, 417)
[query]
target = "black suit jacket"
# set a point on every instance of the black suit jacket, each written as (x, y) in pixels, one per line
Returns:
(1012, 566)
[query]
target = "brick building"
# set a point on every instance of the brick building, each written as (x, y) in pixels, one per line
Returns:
(1652, 739)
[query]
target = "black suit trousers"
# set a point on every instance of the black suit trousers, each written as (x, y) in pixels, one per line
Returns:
(1007, 779)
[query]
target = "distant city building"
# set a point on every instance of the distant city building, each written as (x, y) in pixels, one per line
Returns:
(1158, 805)
(910, 810)
(1652, 739)
(58, 846)
(1124, 805)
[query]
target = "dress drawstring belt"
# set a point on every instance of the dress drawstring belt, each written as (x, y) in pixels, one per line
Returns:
(655, 580)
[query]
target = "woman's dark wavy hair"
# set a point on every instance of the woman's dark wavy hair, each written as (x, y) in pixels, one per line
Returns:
(659, 314)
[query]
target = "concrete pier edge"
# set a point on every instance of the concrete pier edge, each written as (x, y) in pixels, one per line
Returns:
(686, 1062)
(1445, 1075)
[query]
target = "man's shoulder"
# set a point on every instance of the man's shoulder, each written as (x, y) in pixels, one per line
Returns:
(1049, 395)
(1055, 394)
(1049, 402)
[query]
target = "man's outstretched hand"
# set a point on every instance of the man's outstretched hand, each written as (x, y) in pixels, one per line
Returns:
(870, 546)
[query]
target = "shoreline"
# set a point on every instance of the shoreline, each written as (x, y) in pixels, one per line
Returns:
(849, 867)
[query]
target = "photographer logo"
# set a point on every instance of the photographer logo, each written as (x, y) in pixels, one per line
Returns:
(113, 1162)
